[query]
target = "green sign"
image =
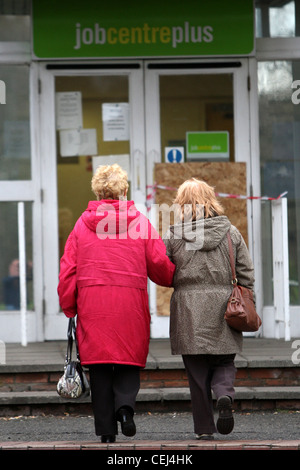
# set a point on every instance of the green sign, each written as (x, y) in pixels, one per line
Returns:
(148, 28)
(206, 145)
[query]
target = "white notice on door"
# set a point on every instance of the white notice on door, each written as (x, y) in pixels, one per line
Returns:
(122, 160)
(115, 118)
(88, 142)
(78, 142)
(68, 110)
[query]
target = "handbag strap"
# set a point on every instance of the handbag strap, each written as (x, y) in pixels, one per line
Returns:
(231, 256)
(75, 337)
(71, 337)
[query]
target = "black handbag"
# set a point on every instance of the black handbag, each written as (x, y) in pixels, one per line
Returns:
(73, 383)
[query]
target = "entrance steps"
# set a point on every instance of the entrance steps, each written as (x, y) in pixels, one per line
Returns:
(266, 379)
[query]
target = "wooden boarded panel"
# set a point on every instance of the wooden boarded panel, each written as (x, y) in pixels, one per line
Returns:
(225, 177)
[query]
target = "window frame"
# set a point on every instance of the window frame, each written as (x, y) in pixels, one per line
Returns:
(19, 53)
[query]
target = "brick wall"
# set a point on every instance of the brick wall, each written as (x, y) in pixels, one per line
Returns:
(157, 378)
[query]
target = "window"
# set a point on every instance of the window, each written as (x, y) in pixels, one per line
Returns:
(15, 20)
(9, 254)
(74, 173)
(15, 161)
(195, 102)
(277, 21)
(280, 162)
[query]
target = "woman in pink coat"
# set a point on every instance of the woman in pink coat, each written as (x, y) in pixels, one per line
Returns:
(108, 257)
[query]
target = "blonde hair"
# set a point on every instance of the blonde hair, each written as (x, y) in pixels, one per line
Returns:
(196, 199)
(109, 182)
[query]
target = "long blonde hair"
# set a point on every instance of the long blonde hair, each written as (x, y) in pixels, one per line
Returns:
(196, 199)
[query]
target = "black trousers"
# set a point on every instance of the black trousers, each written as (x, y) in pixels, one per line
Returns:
(113, 386)
(208, 373)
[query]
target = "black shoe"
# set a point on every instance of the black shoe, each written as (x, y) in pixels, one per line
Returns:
(127, 424)
(108, 438)
(225, 421)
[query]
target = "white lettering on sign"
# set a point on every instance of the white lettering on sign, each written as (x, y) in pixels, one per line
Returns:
(2, 92)
(143, 35)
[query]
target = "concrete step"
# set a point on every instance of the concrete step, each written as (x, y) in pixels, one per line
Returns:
(34, 390)
(266, 378)
(41, 378)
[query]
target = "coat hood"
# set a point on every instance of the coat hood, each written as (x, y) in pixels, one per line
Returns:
(202, 234)
(110, 216)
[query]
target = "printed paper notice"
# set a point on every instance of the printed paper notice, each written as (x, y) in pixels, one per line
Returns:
(16, 139)
(68, 110)
(115, 118)
(122, 160)
(78, 142)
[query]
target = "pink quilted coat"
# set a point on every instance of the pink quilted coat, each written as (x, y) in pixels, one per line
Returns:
(108, 257)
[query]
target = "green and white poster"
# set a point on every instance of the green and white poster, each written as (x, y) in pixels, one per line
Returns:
(149, 28)
(206, 145)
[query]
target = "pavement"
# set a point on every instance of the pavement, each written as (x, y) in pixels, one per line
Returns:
(168, 431)
(155, 431)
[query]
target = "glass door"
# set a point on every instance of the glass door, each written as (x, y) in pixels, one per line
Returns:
(95, 142)
(130, 113)
(96, 118)
(190, 100)
(20, 235)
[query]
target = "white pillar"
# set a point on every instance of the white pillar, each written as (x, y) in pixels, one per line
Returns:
(281, 267)
(22, 272)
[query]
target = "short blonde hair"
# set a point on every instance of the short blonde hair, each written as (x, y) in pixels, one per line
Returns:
(197, 199)
(109, 182)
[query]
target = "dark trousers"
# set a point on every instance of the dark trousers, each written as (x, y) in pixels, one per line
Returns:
(208, 373)
(113, 386)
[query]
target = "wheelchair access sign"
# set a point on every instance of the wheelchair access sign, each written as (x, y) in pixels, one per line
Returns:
(174, 154)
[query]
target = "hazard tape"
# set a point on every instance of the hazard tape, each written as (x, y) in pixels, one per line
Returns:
(154, 188)
(262, 198)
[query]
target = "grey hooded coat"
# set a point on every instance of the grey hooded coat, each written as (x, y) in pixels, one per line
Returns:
(202, 285)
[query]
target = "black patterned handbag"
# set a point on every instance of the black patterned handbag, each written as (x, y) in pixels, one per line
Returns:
(73, 383)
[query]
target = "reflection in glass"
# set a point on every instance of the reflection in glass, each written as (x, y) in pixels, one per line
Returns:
(191, 103)
(15, 150)
(276, 21)
(9, 266)
(14, 27)
(280, 162)
(15, 20)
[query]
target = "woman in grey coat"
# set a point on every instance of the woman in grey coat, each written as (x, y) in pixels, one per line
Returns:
(198, 246)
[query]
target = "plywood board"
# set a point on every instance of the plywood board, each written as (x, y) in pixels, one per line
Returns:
(225, 177)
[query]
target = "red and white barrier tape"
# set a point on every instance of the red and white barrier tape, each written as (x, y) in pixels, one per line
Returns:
(154, 187)
(262, 198)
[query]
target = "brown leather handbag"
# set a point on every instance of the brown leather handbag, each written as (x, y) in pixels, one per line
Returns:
(240, 314)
